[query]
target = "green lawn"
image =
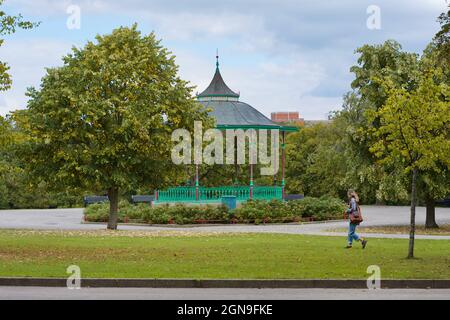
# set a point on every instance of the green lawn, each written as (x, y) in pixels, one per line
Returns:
(443, 230)
(250, 256)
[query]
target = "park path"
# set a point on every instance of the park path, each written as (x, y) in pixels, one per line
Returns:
(71, 219)
(33, 293)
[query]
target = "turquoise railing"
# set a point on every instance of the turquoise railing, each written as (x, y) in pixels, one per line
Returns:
(242, 193)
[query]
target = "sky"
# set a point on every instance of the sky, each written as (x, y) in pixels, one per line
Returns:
(281, 55)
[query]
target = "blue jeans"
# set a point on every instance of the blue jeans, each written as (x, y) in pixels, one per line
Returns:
(352, 233)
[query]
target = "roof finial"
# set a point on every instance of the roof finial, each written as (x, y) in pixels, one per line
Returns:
(217, 58)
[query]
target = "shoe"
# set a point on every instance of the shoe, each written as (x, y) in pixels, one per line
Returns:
(364, 244)
(348, 247)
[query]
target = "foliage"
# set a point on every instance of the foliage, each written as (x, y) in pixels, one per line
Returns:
(330, 159)
(442, 38)
(325, 208)
(316, 161)
(318, 209)
(163, 214)
(18, 189)
(324, 160)
(415, 127)
(414, 132)
(104, 120)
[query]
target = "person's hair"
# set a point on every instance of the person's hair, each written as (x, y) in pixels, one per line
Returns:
(352, 194)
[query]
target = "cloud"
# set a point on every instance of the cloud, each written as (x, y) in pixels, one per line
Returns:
(28, 60)
(290, 54)
(48, 8)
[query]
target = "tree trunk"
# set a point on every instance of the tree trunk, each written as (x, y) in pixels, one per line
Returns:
(113, 194)
(413, 214)
(431, 213)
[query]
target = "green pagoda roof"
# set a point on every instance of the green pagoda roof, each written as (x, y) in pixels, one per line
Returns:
(229, 112)
(218, 88)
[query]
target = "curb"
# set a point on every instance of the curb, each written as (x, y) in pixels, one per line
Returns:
(249, 284)
(192, 226)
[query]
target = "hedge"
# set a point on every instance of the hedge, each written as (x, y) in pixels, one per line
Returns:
(316, 209)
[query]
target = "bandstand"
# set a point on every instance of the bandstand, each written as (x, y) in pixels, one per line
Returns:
(230, 113)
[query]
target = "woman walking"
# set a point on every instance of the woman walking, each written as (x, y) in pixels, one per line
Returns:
(355, 218)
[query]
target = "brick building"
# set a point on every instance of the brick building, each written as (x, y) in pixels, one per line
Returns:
(287, 117)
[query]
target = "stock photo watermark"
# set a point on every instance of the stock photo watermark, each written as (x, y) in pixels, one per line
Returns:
(74, 19)
(374, 20)
(191, 150)
(74, 280)
(374, 280)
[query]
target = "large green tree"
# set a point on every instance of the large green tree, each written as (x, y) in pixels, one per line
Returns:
(385, 61)
(434, 185)
(8, 25)
(378, 63)
(316, 163)
(442, 38)
(104, 120)
(413, 132)
(18, 189)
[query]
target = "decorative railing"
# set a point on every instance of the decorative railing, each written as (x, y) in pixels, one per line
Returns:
(215, 194)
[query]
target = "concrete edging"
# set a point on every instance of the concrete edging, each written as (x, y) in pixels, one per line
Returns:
(200, 225)
(255, 284)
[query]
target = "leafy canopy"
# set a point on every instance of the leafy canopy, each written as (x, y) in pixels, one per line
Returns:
(415, 126)
(104, 120)
(442, 38)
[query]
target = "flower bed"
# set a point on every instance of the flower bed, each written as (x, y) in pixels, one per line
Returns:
(254, 212)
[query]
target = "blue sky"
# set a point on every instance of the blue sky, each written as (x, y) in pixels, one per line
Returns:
(282, 55)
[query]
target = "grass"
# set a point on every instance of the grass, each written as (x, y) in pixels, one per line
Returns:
(169, 254)
(444, 230)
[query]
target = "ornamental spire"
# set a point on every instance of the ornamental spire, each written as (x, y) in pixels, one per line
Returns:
(218, 88)
(217, 58)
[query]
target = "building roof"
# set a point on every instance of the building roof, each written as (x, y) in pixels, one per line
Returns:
(229, 112)
(218, 88)
(236, 114)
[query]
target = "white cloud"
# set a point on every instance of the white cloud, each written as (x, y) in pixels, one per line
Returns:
(28, 60)
(318, 108)
(46, 8)
(301, 50)
(268, 86)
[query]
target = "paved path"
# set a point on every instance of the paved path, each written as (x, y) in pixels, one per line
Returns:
(70, 219)
(32, 293)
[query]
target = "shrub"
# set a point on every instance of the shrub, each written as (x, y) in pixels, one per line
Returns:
(319, 209)
(256, 211)
(98, 212)
(262, 211)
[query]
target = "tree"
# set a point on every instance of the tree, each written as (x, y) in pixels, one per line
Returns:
(316, 163)
(414, 132)
(8, 25)
(385, 61)
(4, 133)
(442, 38)
(434, 185)
(103, 121)
(380, 62)
(5, 138)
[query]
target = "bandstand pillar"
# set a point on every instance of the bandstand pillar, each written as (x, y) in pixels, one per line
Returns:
(197, 183)
(251, 182)
(283, 163)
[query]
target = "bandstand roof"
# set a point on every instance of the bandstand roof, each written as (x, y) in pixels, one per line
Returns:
(229, 112)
